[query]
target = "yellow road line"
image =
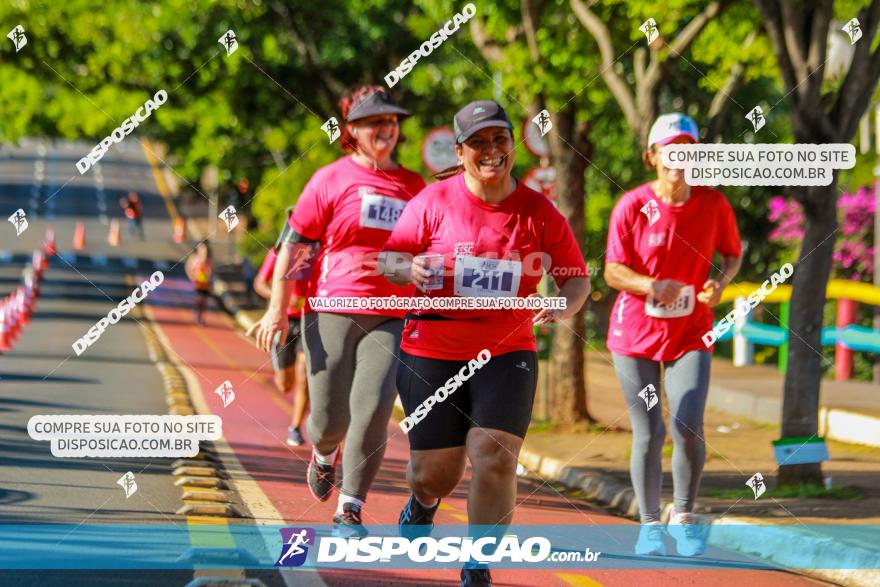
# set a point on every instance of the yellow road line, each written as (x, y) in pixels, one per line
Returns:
(160, 180)
(579, 580)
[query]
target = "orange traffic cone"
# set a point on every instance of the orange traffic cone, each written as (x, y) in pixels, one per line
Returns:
(5, 339)
(14, 324)
(49, 245)
(113, 237)
(179, 229)
(79, 237)
(21, 299)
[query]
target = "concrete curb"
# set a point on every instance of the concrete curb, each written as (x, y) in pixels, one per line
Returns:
(595, 486)
(793, 547)
(786, 546)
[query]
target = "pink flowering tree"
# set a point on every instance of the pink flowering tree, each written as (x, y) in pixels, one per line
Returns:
(853, 251)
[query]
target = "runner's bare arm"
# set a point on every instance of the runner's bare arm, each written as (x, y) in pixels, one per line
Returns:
(622, 278)
(402, 268)
(713, 288)
(575, 292)
(275, 319)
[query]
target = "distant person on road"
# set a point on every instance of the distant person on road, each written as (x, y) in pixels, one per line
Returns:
(348, 209)
(481, 222)
(134, 212)
(288, 357)
(661, 241)
(200, 269)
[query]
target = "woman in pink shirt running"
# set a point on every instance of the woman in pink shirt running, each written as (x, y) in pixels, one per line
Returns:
(347, 209)
(468, 377)
(661, 241)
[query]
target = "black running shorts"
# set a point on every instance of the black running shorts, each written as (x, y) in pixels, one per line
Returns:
(499, 395)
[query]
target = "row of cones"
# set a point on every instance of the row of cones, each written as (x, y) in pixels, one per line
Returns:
(16, 308)
(114, 236)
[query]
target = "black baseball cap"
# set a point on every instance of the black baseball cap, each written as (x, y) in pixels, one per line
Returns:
(373, 105)
(477, 116)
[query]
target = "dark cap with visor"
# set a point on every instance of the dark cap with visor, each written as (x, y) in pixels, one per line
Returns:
(375, 104)
(477, 116)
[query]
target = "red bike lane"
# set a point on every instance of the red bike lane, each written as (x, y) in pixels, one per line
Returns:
(255, 426)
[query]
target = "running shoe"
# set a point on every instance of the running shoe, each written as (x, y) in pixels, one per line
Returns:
(348, 523)
(650, 540)
(415, 519)
(689, 534)
(475, 578)
(322, 478)
(294, 437)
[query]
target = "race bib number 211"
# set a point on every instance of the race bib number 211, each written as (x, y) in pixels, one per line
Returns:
(478, 277)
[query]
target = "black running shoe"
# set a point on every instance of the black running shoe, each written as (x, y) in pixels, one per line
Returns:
(416, 520)
(348, 523)
(475, 578)
(321, 478)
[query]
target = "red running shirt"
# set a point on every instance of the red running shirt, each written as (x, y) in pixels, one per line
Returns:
(300, 288)
(490, 250)
(678, 245)
(351, 210)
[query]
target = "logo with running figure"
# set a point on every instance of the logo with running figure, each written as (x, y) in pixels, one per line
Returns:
(649, 394)
(128, 484)
(854, 30)
(756, 482)
(19, 221)
(229, 42)
(230, 217)
(543, 122)
(651, 211)
(17, 37)
(756, 117)
(226, 393)
(331, 127)
(649, 27)
(295, 546)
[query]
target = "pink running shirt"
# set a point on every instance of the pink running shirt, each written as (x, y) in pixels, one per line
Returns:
(679, 244)
(351, 210)
(489, 250)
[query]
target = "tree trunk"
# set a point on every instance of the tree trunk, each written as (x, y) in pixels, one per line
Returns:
(570, 151)
(800, 406)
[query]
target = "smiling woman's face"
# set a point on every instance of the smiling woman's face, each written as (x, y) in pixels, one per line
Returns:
(488, 154)
(377, 135)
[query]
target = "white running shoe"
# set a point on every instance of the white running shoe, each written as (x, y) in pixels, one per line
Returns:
(651, 539)
(688, 532)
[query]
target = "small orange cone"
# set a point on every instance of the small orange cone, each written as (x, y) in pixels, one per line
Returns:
(49, 245)
(179, 229)
(21, 298)
(14, 324)
(113, 237)
(79, 237)
(5, 339)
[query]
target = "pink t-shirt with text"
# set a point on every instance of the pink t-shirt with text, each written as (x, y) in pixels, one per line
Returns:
(490, 250)
(351, 210)
(679, 244)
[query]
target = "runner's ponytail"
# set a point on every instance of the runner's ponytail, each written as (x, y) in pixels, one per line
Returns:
(449, 172)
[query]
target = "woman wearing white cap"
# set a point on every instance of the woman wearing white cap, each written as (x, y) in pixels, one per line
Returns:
(661, 242)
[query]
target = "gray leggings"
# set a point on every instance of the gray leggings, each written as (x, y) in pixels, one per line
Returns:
(352, 362)
(686, 382)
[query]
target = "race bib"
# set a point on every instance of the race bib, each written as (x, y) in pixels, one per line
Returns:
(379, 211)
(478, 277)
(682, 306)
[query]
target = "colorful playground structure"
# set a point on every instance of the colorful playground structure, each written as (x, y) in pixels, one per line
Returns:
(845, 336)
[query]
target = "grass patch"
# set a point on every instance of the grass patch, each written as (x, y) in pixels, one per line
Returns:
(538, 426)
(801, 490)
